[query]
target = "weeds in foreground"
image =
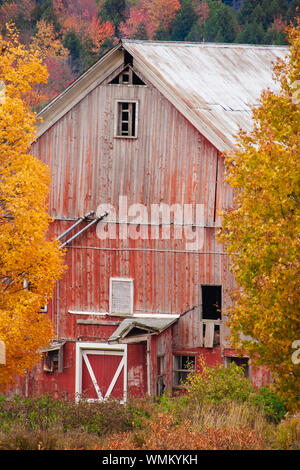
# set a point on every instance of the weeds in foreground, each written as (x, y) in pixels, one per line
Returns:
(220, 410)
(164, 434)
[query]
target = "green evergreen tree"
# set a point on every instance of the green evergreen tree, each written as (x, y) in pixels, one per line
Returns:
(184, 21)
(220, 26)
(251, 33)
(114, 11)
(44, 10)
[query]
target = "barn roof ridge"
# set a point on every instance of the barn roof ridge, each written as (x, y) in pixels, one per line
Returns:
(215, 88)
(202, 44)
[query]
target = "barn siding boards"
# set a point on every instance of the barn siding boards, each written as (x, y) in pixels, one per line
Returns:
(82, 179)
(175, 159)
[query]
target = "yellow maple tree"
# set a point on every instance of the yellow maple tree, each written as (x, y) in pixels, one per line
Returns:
(55, 56)
(47, 41)
(29, 262)
(261, 230)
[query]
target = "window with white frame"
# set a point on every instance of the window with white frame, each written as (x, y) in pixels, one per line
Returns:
(121, 295)
(126, 119)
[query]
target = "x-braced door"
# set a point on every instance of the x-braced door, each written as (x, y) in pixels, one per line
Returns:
(101, 371)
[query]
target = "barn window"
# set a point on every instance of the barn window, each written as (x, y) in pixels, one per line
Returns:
(126, 119)
(53, 357)
(211, 302)
(182, 367)
(239, 361)
(121, 296)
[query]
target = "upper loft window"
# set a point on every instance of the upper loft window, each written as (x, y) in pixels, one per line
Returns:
(211, 302)
(126, 119)
(127, 77)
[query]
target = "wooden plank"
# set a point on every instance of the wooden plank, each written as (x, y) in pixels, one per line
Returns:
(98, 322)
(209, 334)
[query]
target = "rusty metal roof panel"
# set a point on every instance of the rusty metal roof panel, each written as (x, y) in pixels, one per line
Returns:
(213, 85)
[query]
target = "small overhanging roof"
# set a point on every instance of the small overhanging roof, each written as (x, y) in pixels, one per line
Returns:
(54, 346)
(214, 86)
(135, 329)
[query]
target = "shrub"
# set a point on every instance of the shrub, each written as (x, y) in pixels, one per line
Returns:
(219, 384)
(273, 407)
(288, 434)
(20, 438)
(45, 412)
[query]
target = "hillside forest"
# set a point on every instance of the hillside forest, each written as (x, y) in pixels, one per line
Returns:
(73, 34)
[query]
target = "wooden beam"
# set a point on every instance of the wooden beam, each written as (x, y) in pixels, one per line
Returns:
(98, 322)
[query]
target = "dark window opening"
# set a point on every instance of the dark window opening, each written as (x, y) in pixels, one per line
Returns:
(128, 59)
(136, 80)
(211, 302)
(217, 338)
(127, 77)
(160, 385)
(53, 359)
(183, 365)
(241, 362)
(50, 361)
(136, 331)
(115, 81)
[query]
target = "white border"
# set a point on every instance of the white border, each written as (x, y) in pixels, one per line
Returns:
(117, 118)
(82, 348)
(124, 279)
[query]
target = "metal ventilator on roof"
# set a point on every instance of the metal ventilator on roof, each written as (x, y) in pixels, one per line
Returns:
(81, 219)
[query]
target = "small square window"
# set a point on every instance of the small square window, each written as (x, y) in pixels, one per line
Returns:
(126, 119)
(182, 367)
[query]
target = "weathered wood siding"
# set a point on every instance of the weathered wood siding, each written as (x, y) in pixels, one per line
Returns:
(169, 162)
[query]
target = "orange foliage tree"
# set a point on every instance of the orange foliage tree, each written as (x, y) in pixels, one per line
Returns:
(29, 262)
(150, 15)
(261, 230)
(55, 57)
(82, 17)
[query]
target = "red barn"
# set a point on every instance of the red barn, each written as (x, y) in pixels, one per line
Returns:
(135, 150)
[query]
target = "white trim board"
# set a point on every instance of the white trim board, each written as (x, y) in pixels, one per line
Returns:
(134, 315)
(82, 349)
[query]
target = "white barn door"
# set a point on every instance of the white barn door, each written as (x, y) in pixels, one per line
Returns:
(101, 371)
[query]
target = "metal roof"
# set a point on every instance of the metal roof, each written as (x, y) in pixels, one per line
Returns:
(55, 345)
(130, 326)
(213, 85)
